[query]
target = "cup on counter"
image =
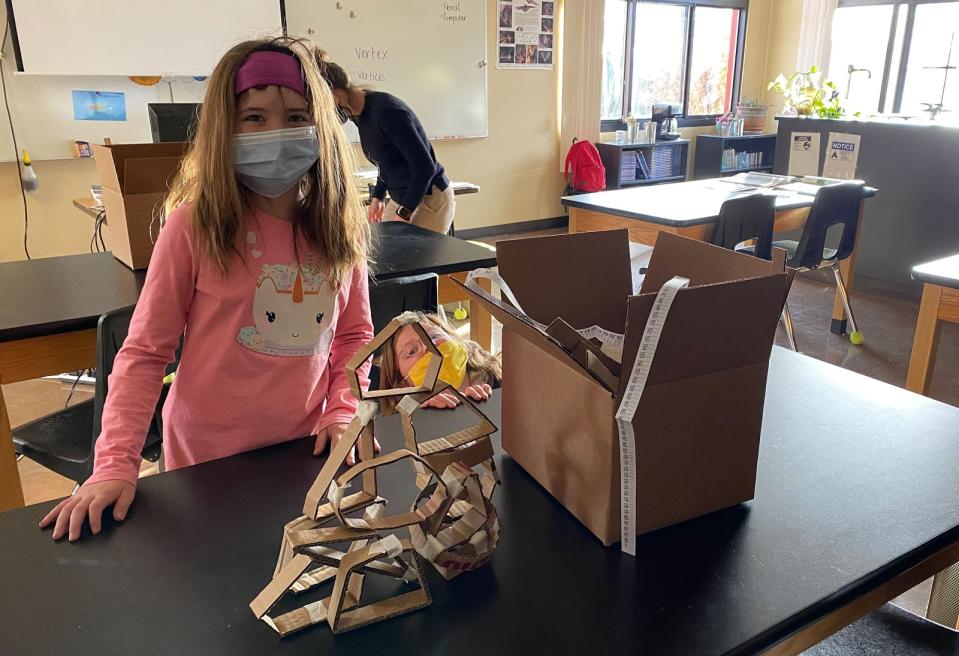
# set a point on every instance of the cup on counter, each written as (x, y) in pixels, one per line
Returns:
(620, 136)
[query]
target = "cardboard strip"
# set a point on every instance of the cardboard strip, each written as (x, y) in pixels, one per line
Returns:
(434, 508)
(481, 428)
(342, 619)
(366, 352)
(318, 491)
(631, 396)
(279, 585)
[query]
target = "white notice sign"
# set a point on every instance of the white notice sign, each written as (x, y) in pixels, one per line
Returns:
(842, 156)
(804, 153)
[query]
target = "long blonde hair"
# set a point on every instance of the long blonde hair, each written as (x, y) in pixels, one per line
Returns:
(328, 212)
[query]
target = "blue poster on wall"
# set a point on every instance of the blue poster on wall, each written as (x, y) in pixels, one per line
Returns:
(99, 106)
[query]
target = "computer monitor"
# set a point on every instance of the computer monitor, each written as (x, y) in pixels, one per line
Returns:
(173, 121)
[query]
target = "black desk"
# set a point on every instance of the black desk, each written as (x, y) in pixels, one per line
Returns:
(690, 209)
(857, 490)
(401, 249)
(59, 294)
(49, 310)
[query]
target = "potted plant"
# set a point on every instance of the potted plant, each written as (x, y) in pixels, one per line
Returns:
(753, 113)
(807, 93)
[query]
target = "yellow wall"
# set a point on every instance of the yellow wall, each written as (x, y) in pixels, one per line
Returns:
(785, 18)
(56, 227)
(517, 166)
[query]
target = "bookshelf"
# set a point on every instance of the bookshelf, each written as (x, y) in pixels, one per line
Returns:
(634, 164)
(717, 156)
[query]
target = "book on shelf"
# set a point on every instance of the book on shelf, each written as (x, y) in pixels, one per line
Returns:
(643, 165)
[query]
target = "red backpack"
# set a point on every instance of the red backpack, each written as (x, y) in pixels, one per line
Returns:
(584, 170)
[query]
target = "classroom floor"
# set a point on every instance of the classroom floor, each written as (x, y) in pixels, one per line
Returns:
(887, 321)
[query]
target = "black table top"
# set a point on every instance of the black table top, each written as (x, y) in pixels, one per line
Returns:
(61, 294)
(680, 204)
(856, 484)
(943, 272)
(401, 249)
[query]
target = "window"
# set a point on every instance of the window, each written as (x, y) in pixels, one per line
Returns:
(687, 54)
(905, 72)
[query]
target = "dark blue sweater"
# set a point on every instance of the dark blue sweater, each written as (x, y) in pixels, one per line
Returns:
(395, 141)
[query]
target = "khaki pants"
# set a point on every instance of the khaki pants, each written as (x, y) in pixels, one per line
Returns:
(435, 211)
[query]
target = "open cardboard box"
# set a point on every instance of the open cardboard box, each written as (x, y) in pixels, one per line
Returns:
(135, 179)
(698, 422)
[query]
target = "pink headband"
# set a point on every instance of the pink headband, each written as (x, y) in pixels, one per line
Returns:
(265, 67)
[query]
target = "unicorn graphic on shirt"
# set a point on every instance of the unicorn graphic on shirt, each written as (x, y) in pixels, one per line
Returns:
(291, 317)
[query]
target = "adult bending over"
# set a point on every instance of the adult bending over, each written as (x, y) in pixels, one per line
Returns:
(394, 140)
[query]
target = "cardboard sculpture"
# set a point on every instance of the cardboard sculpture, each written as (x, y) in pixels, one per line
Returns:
(699, 416)
(341, 539)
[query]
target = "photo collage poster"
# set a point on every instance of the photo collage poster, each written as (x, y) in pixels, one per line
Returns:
(525, 33)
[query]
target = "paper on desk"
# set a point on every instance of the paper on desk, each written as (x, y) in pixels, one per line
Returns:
(753, 179)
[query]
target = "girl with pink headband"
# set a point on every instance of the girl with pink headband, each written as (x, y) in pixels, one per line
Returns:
(260, 267)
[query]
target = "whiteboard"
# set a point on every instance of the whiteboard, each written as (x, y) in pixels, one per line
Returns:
(429, 53)
(136, 37)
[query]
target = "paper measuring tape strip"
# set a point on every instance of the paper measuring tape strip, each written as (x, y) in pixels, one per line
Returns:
(489, 274)
(612, 343)
(628, 406)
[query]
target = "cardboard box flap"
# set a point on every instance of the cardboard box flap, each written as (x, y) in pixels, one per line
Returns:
(583, 278)
(521, 325)
(708, 329)
(111, 160)
(702, 263)
(149, 174)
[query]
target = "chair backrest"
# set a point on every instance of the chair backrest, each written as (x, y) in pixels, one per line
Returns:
(834, 205)
(747, 217)
(390, 298)
(112, 329)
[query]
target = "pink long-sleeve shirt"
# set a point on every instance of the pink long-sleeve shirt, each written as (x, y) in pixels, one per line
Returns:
(263, 357)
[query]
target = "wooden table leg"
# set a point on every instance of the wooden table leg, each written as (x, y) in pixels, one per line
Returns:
(846, 268)
(11, 495)
(26, 359)
(926, 341)
(481, 323)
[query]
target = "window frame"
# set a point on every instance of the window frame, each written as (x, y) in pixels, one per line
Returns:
(611, 125)
(909, 6)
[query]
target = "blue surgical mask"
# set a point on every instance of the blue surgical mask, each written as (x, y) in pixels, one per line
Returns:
(270, 163)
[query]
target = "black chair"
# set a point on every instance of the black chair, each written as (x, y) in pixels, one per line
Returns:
(890, 630)
(394, 297)
(835, 205)
(64, 441)
(750, 218)
(743, 219)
